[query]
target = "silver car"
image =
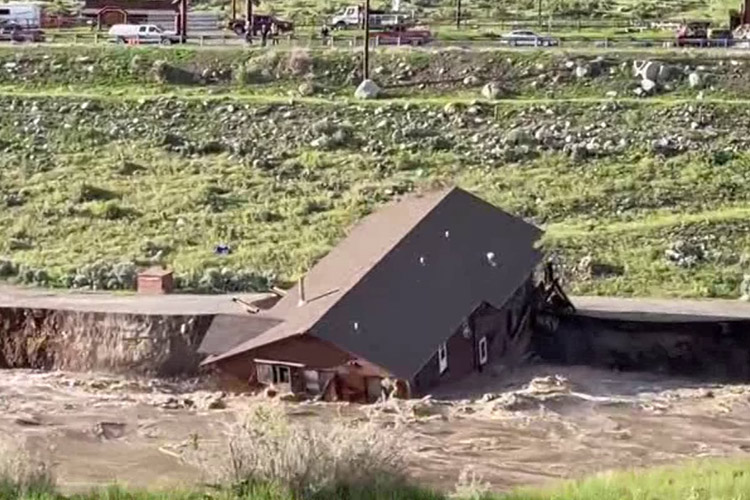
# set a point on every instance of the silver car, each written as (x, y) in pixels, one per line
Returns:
(528, 38)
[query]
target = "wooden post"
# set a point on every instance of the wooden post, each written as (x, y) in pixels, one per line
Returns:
(234, 11)
(366, 63)
(458, 14)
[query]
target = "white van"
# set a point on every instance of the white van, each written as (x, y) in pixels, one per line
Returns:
(27, 15)
(142, 33)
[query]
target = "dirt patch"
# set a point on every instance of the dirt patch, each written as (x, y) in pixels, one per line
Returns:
(522, 427)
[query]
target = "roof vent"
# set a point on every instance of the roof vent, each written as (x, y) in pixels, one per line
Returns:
(491, 259)
(355, 326)
(422, 260)
(447, 234)
(302, 296)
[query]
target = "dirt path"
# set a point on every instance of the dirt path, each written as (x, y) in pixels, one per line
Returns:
(519, 428)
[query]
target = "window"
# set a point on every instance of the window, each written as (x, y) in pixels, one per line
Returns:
(483, 351)
(443, 357)
(281, 374)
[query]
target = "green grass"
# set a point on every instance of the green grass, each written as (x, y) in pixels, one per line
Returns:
(282, 203)
(699, 480)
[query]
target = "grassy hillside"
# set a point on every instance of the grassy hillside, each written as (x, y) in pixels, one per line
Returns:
(123, 166)
(488, 11)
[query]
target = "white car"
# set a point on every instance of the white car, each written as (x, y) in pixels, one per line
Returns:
(528, 38)
(142, 33)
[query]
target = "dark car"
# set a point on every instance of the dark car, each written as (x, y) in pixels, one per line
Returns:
(14, 32)
(259, 22)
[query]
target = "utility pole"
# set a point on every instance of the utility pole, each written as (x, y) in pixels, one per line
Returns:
(248, 20)
(458, 14)
(183, 21)
(539, 13)
(366, 63)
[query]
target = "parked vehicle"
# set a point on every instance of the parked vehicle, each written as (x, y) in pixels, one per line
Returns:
(260, 21)
(700, 33)
(402, 36)
(28, 15)
(353, 16)
(14, 32)
(143, 34)
(528, 38)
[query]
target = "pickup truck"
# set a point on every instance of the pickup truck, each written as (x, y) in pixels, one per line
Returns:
(142, 34)
(353, 15)
(259, 22)
(414, 37)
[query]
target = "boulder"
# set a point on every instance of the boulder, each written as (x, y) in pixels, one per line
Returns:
(471, 80)
(367, 90)
(451, 108)
(210, 401)
(109, 430)
(667, 73)
(306, 89)
(695, 81)
(518, 136)
(655, 71)
(582, 71)
(648, 86)
(492, 90)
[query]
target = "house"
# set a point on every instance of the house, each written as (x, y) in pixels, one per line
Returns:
(110, 12)
(424, 291)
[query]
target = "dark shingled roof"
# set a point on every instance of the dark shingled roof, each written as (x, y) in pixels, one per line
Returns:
(405, 278)
(229, 330)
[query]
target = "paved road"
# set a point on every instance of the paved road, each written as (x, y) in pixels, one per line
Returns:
(662, 309)
(177, 304)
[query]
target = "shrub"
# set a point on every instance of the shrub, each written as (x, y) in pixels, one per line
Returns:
(110, 210)
(216, 280)
(88, 192)
(256, 70)
(265, 448)
(299, 63)
(21, 474)
(102, 275)
(471, 486)
(7, 268)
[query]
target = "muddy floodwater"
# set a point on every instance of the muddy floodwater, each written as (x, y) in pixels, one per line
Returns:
(526, 427)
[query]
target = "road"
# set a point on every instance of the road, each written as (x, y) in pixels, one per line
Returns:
(647, 309)
(175, 304)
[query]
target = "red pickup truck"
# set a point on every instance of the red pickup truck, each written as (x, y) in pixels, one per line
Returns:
(409, 36)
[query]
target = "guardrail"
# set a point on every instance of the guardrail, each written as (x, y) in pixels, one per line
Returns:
(352, 41)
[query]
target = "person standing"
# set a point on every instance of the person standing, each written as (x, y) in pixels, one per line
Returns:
(264, 35)
(274, 33)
